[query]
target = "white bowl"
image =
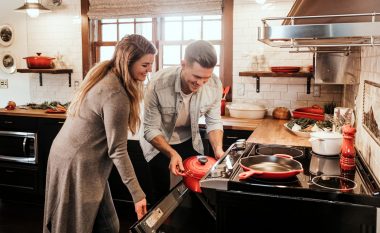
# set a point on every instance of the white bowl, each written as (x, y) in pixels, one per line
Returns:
(249, 111)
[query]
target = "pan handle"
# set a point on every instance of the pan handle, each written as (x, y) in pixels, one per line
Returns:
(247, 174)
(283, 156)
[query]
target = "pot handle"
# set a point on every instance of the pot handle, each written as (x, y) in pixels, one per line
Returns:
(247, 174)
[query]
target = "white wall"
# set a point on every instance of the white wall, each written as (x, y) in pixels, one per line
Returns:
(274, 92)
(18, 90)
(51, 33)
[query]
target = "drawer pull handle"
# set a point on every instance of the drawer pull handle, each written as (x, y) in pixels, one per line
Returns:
(8, 122)
(10, 171)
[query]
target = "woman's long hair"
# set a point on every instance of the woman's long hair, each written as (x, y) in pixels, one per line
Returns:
(129, 50)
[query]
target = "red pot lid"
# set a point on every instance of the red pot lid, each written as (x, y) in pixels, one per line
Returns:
(198, 166)
(39, 57)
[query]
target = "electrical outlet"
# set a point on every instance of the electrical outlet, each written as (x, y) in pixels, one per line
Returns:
(317, 91)
(3, 83)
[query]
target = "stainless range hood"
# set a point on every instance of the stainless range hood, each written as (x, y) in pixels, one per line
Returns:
(316, 24)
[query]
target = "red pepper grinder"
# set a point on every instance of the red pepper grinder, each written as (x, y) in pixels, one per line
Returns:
(347, 157)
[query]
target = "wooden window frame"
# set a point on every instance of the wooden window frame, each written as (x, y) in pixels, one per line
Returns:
(226, 51)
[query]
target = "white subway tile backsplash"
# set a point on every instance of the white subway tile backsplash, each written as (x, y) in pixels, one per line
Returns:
(279, 88)
(282, 103)
(275, 89)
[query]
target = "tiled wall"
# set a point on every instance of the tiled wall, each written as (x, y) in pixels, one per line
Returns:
(51, 33)
(274, 92)
(370, 70)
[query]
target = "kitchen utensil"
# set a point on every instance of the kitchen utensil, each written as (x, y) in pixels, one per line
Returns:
(39, 62)
(195, 168)
(326, 143)
(281, 113)
(278, 166)
(225, 91)
(250, 111)
(223, 101)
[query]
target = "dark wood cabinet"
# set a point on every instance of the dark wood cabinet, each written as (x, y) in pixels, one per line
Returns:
(118, 189)
(18, 176)
(48, 130)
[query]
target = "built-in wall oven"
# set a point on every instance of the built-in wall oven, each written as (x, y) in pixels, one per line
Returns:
(20, 147)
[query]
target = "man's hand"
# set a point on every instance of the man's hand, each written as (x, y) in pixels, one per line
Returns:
(176, 165)
(219, 153)
(140, 208)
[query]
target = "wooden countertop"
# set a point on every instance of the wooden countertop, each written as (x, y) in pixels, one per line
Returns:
(265, 131)
(236, 123)
(272, 131)
(31, 113)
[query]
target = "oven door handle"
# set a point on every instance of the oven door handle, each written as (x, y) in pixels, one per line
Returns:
(24, 145)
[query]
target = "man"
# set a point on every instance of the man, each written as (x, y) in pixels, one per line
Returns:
(174, 101)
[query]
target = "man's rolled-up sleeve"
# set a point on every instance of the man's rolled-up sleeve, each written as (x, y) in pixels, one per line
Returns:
(152, 116)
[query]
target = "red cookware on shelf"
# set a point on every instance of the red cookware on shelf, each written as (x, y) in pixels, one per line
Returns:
(195, 168)
(278, 166)
(39, 62)
(315, 112)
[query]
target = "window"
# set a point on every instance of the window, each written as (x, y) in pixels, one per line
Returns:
(191, 26)
(169, 34)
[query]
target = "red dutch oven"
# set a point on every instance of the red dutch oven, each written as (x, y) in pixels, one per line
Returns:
(195, 168)
(39, 62)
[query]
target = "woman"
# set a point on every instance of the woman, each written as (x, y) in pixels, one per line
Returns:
(93, 138)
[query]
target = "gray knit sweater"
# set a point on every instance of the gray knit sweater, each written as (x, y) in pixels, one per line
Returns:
(82, 156)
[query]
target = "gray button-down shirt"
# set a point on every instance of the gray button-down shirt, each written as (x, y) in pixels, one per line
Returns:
(163, 101)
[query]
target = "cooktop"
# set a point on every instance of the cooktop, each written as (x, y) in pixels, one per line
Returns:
(356, 186)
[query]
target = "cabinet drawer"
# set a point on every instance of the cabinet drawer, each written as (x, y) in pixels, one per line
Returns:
(18, 179)
(22, 124)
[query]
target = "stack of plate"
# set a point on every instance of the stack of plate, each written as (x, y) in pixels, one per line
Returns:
(285, 69)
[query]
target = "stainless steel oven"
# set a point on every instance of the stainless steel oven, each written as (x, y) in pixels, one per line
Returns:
(20, 147)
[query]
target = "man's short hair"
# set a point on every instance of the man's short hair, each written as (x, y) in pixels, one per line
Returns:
(202, 52)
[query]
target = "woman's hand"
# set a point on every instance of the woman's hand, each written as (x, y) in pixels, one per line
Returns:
(140, 208)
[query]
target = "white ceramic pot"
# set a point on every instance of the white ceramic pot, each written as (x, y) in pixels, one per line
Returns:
(326, 143)
(250, 111)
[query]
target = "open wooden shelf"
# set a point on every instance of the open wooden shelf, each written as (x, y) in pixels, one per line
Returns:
(48, 71)
(258, 74)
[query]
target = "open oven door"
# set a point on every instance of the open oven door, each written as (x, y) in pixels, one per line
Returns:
(180, 211)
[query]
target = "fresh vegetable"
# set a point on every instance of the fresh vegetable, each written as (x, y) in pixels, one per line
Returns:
(55, 105)
(11, 105)
(309, 125)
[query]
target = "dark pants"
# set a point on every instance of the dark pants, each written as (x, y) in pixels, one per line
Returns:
(159, 168)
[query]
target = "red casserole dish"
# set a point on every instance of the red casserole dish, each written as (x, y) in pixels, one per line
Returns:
(39, 62)
(315, 112)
